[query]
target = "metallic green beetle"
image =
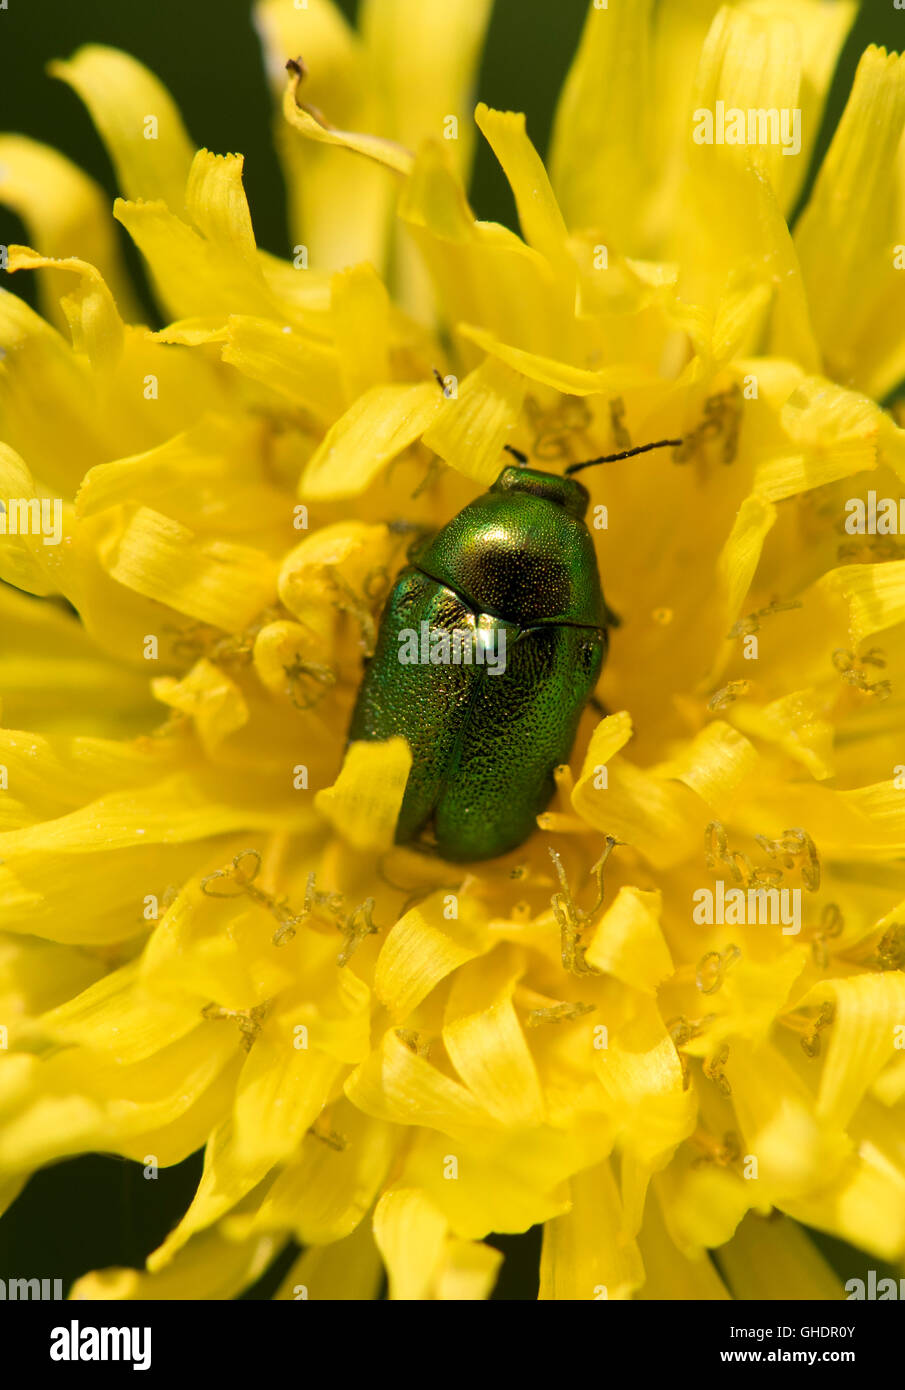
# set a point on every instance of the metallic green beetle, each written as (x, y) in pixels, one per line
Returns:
(490, 645)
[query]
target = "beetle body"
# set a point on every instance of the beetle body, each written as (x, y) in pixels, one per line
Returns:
(516, 573)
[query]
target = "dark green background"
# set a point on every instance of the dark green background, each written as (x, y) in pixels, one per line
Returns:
(95, 1212)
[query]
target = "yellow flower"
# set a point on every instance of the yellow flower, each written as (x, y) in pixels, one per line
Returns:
(209, 936)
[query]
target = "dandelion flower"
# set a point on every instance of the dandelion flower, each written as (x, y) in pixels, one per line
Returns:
(209, 937)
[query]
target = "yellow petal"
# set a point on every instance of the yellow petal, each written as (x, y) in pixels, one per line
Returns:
(411, 1236)
(322, 182)
(361, 320)
(795, 723)
(346, 1270)
(585, 1253)
(483, 273)
(846, 234)
(137, 119)
(714, 764)
(36, 976)
(776, 1260)
(601, 131)
(311, 123)
(642, 1076)
(92, 315)
(34, 356)
(468, 1273)
(323, 1193)
(866, 1207)
(102, 415)
(195, 276)
(821, 32)
(66, 214)
(834, 433)
(291, 364)
(417, 99)
(209, 477)
(702, 1203)
(668, 1273)
(173, 810)
(364, 802)
(215, 581)
(633, 805)
(861, 1039)
(210, 1267)
(539, 215)
(281, 1091)
(422, 1260)
(209, 697)
(478, 1193)
(628, 941)
(375, 429)
(225, 1181)
(485, 1042)
(425, 946)
(731, 239)
(25, 560)
(740, 555)
(46, 893)
(77, 1099)
(470, 430)
(795, 1150)
(49, 659)
(875, 595)
(397, 1085)
(216, 204)
(572, 381)
(116, 1015)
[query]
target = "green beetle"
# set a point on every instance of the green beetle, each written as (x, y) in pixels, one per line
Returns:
(490, 645)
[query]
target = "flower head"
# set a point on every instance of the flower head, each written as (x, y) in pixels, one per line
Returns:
(680, 1005)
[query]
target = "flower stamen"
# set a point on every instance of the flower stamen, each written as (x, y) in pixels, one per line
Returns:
(558, 1013)
(830, 926)
(248, 1020)
(745, 627)
(728, 693)
(808, 1027)
(723, 1153)
(710, 973)
(853, 670)
(722, 418)
(357, 926)
(713, 1069)
(414, 1041)
(240, 878)
(890, 953)
(572, 919)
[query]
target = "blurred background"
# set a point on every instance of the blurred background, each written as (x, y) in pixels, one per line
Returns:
(207, 53)
(94, 1212)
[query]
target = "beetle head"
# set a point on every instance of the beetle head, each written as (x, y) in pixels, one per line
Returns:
(572, 496)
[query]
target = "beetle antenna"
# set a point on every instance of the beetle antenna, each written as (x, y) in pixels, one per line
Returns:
(626, 454)
(516, 453)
